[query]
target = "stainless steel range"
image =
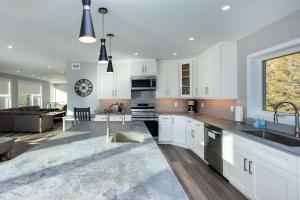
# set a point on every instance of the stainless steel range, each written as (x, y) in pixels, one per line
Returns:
(147, 113)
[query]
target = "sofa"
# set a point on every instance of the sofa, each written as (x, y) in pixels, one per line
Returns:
(25, 119)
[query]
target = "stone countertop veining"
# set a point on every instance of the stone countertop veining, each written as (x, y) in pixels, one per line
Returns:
(236, 128)
(82, 164)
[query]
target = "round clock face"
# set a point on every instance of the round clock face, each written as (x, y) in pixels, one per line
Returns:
(83, 87)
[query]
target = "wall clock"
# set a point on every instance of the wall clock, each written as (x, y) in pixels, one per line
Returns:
(83, 87)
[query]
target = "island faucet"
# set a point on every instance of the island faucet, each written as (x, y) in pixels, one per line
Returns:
(108, 117)
(297, 127)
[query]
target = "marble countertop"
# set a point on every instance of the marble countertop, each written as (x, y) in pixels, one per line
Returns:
(82, 164)
(233, 127)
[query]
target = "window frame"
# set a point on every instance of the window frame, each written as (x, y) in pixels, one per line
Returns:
(31, 95)
(264, 79)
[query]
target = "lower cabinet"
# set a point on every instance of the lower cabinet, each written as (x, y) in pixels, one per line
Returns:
(178, 130)
(195, 137)
(165, 129)
(113, 118)
(256, 178)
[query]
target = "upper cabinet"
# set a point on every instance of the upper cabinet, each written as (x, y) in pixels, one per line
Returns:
(185, 78)
(144, 68)
(167, 79)
(116, 85)
(216, 75)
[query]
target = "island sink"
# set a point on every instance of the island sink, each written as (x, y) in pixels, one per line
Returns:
(286, 140)
(134, 137)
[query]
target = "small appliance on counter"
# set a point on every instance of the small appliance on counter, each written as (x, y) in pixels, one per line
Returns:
(239, 114)
(191, 106)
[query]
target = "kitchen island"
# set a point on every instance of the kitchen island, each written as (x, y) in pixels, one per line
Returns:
(82, 164)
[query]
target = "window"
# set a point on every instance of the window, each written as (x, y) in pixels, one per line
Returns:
(5, 93)
(281, 78)
(29, 94)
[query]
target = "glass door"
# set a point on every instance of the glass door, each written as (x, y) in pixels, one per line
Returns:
(185, 79)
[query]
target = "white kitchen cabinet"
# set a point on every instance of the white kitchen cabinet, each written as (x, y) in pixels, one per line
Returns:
(144, 68)
(165, 128)
(217, 71)
(196, 79)
(271, 182)
(116, 85)
(178, 130)
(113, 117)
(258, 171)
(195, 137)
(185, 78)
(298, 188)
(167, 79)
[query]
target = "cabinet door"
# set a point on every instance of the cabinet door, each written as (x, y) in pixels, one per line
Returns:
(150, 68)
(137, 68)
(178, 129)
(173, 80)
(205, 74)
(215, 79)
(189, 136)
(162, 79)
(185, 73)
(165, 131)
(122, 81)
(196, 77)
(270, 182)
(106, 83)
(199, 141)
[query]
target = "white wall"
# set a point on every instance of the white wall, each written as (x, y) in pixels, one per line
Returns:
(88, 70)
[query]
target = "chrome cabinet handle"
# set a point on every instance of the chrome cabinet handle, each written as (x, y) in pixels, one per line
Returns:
(245, 163)
(250, 166)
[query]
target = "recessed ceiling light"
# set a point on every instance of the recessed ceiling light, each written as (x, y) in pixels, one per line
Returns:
(226, 7)
(174, 54)
(10, 46)
(191, 39)
(18, 71)
(136, 54)
(49, 67)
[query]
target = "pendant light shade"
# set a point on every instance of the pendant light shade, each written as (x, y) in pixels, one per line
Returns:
(87, 33)
(103, 55)
(110, 68)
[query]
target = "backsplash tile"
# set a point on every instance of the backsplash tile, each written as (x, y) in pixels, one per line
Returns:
(171, 105)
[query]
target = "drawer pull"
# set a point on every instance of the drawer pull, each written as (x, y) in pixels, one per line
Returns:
(245, 163)
(250, 166)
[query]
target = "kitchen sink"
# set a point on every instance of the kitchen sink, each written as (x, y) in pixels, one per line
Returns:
(133, 137)
(286, 140)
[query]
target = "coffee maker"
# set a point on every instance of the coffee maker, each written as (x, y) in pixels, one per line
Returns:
(191, 106)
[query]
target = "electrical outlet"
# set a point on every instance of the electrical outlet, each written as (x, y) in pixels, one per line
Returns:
(175, 104)
(232, 108)
(202, 105)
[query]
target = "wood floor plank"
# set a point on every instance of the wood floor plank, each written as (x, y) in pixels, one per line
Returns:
(198, 179)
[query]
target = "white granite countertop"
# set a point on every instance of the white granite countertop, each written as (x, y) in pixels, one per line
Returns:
(82, 164)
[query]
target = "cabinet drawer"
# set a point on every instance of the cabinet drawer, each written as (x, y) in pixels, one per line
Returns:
(100, 118)
(275, 157)
(237, 141)
(165, 118)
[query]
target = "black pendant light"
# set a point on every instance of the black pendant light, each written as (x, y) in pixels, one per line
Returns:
(110, 68)
(103, 55)
(87, 33)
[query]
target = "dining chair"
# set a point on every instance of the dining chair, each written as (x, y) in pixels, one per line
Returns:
(82, 114)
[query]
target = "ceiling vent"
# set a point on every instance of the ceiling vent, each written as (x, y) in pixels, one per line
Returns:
(75, 65)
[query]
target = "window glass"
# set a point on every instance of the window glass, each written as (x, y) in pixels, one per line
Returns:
(5, 93)
(29, 94)
(281, 82)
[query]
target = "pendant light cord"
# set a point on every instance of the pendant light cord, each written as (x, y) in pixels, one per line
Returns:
(110, 46)
(102, 25)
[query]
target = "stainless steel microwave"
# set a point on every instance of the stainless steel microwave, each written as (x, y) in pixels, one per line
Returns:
(143, 83)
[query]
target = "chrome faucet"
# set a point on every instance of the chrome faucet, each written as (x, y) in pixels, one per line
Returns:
(108, 117)
(297, 127)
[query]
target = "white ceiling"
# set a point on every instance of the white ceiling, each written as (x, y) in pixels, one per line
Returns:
(45, 32)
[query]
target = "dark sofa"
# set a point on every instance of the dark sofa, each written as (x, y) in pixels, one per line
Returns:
(25, 119)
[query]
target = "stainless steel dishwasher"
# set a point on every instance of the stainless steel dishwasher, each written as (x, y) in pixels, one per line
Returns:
(213, 147)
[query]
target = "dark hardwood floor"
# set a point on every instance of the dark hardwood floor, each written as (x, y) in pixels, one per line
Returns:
(198, 180)
(26, 141)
